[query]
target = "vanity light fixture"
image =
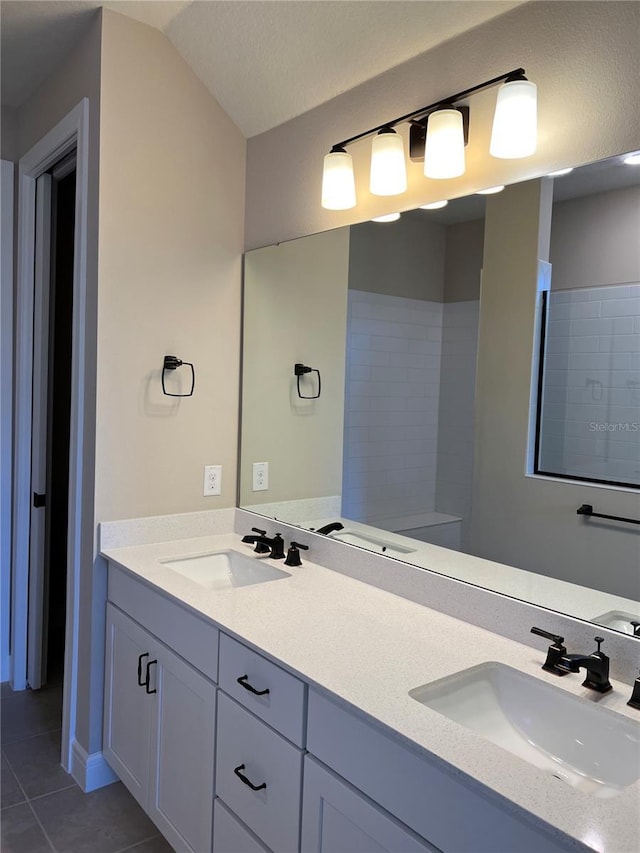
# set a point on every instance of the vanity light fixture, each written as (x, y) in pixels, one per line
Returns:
(444, 144)
(491, 190)
(388, 169)
(434, 205)
(338, 183)
(633, 159)
(515, 123)
(437, 135)
(388, 217)
(560, 173)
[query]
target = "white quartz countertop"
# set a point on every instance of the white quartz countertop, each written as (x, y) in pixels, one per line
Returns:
(368, 648)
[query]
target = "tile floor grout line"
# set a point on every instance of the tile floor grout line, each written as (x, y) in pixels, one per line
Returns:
(138, 843)
(44, 832)
(32, 810)
(57, 791)
(28, 737)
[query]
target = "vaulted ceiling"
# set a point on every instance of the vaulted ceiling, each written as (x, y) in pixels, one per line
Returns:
(265, 61)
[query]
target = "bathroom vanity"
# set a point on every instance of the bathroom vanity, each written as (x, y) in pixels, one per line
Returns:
(265, 707)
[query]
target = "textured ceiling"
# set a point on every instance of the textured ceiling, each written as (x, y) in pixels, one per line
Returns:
(36, 35)
(265, 61)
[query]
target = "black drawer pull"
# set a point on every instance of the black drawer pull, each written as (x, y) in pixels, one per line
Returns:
(147, 680)
(238, 771)
(243, 681)
(141, 683)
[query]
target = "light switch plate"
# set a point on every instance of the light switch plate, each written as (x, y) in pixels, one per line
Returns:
(212, 480)
(260, 476)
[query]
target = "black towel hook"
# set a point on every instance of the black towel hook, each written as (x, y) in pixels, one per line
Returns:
(300, 370)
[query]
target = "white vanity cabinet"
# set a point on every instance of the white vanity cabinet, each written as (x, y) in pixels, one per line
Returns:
(259, 766)
(159, 727)
(295, 769)
(338, 818)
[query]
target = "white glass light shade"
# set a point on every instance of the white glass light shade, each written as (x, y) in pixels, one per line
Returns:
(338, 183)
(515, 123)
(387, 217)
(388, 169)
(633, 159)
(444, 145)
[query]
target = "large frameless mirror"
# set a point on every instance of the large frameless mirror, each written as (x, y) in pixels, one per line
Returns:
(451, 388)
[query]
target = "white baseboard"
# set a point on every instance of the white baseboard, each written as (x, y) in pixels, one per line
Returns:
(90, 771)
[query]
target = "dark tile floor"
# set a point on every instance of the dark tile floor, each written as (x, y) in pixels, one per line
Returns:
(43, 810)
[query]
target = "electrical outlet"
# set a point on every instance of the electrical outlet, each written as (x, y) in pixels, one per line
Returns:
(212, 480)
(260, 476)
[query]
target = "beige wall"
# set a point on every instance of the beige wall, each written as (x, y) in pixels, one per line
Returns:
(76, 78)
(463, 260)
(295, 311)
(171, 236)
(403, 258)
(170, 165)
(595, 240)
(518, 520)
(9, 135)
(583, 56)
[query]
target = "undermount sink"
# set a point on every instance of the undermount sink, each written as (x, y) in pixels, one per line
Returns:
(592, 749)
(224, 569)
(618, 620)
(371, 543)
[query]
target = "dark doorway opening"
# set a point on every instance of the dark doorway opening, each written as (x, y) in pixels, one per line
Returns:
(63, 203)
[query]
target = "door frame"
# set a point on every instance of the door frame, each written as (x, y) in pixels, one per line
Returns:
(6, 412)
(71, 132)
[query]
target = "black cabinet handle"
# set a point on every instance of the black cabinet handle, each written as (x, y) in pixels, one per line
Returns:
(238, 771)
(243, 681)
(147, 679)
(141, 683)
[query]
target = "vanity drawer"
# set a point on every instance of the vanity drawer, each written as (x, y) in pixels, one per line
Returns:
(247, 747)
(231, 836)
(191, 637)
(416, 791)
(283, 707)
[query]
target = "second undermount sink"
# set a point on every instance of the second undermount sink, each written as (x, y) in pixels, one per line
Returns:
(224, 569)
(619, 620)
(371, 543)
(592, 749)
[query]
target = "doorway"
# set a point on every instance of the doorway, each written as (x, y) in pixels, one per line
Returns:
(74, 431)
(51, 611)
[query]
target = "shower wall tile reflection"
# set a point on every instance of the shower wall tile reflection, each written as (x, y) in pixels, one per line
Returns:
(410, 391)
(391, 406)
(591, 398)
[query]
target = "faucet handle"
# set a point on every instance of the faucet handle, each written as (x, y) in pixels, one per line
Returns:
(555, 652)
(599, 641)
(636, 627)
(557, 639)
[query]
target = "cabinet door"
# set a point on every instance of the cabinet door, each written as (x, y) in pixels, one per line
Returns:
(182, 753)
(337, 818)
(127, 709)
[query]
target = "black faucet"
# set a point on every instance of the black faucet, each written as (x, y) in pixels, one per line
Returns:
(634, 702)
(329, 528)
(260, 548)
(275, 546)
(636, 628)
(596, 665)
(293, 554)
